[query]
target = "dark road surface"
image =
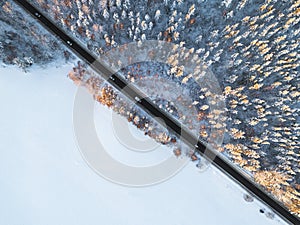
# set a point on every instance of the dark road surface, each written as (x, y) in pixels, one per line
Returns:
(146, 104)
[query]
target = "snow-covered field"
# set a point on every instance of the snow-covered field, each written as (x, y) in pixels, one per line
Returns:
(44, 179)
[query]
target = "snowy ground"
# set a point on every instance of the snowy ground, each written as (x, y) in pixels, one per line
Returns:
(44, 180)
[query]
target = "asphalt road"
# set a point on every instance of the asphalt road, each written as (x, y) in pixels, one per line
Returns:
(146, 104)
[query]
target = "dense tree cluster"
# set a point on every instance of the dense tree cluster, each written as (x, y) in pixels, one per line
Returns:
(251, 46)
(24, 42)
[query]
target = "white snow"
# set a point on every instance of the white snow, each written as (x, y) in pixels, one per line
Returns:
(44, 180)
